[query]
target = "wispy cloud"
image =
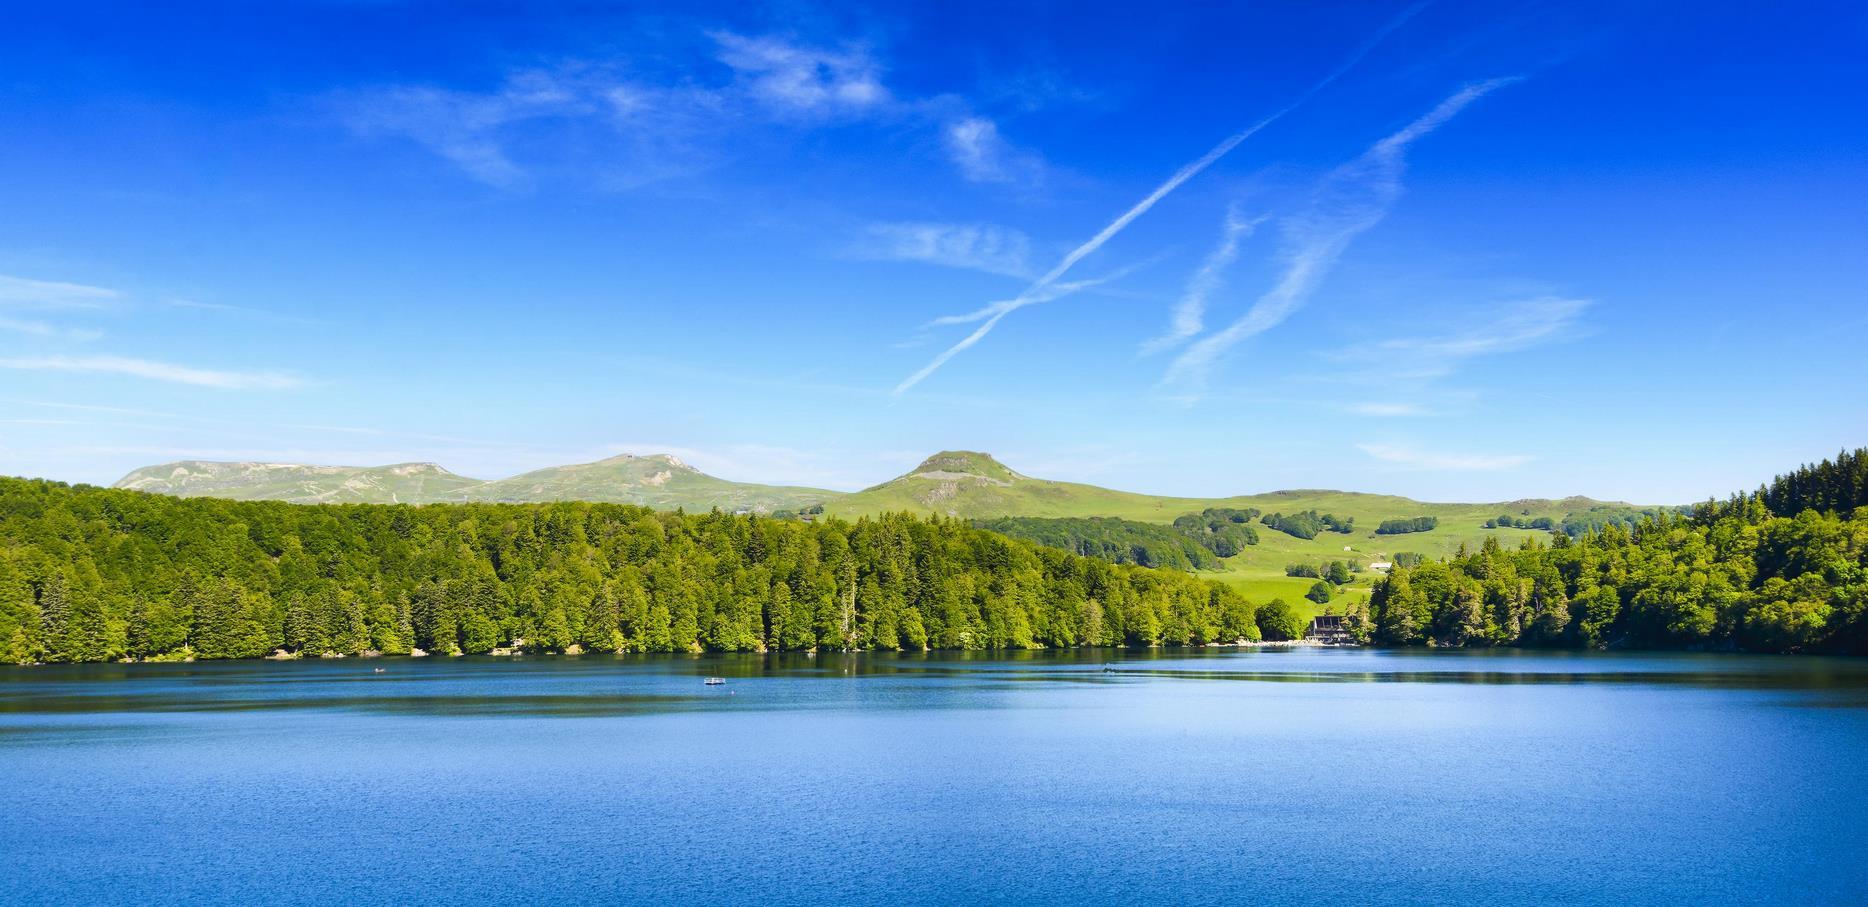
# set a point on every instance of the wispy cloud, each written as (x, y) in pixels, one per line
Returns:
(240, 310)
(26, 293)
(467, 128)
(155, 371)
(1414, 458)
(1519, 325)
(1387, 409)
(666, 125)
(975, 247)
(982, 155)
(1190, 313)
(1036, 291)
(1352, 199)
(47, 330)
(803, 80)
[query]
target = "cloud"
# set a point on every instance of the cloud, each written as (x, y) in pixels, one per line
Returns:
(1387, 409)
(48, 330)
(795, 79)
(25, 293)
(467, 127)
(1033, 294)
(975, 247)
(155, 371)
(239, 310)
(1413, 458)
(662, 126)
(1521, 325)
(1351, 199)
(982, 155)
(1190, 313)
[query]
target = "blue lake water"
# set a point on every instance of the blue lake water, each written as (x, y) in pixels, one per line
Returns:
(1299, 777)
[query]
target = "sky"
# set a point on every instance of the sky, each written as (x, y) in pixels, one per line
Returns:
(1456, 251)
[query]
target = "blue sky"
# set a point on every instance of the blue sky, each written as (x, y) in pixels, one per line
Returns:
(1455, 251)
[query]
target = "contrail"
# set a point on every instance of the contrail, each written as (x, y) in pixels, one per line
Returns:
(1180, 176)
(1054, 291)
(1354, 197)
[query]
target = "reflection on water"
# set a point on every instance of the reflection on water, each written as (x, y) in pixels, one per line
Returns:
(639, 685)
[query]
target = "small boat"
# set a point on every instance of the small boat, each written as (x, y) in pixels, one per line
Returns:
(379, 670)
(715, 681)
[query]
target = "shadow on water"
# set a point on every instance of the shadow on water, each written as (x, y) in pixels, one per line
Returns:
(610, 686)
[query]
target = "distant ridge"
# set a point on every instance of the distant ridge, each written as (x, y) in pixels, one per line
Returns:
(959, 483)
(406, 483)
(660, 481)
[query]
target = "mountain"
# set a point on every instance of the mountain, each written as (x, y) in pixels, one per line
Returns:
(299, 484)
(659, 481)
(973, 485)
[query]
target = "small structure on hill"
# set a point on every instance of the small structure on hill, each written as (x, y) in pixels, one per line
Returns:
(1330, 630)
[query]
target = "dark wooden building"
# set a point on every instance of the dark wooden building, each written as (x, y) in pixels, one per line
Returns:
(1329, 629)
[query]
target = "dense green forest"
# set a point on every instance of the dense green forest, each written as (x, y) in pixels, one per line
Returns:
(89, 574)
(1414, 524)
(1308, 524)
(1111, 539)
(1782, 569)
(1195, 541)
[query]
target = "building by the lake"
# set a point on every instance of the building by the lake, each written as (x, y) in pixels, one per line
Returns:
(1329, 629)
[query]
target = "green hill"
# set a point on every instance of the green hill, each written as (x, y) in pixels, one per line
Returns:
(974, 486)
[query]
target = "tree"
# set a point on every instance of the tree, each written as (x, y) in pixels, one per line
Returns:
(1320, 592)
(1278, 621)
(229, 622)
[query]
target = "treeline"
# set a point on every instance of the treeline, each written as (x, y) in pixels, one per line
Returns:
(1578, 523)
(1339, 572)
(1309, 523)
(1193, 542)
(1743, 574)
(1508, 521)
(1225, 531)
(1111, 539)
(1832, 486)
(1412, 524)
(89, 574)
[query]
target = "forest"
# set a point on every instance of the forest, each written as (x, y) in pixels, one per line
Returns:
(1112, 539)
(90, 574)
(1412, 524)
(1195, 541)
(1309, 523)
(1782, 569)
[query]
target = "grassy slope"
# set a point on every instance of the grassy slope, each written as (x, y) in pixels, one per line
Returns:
(974, 486)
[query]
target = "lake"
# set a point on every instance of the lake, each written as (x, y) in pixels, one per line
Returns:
(1224, 777)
